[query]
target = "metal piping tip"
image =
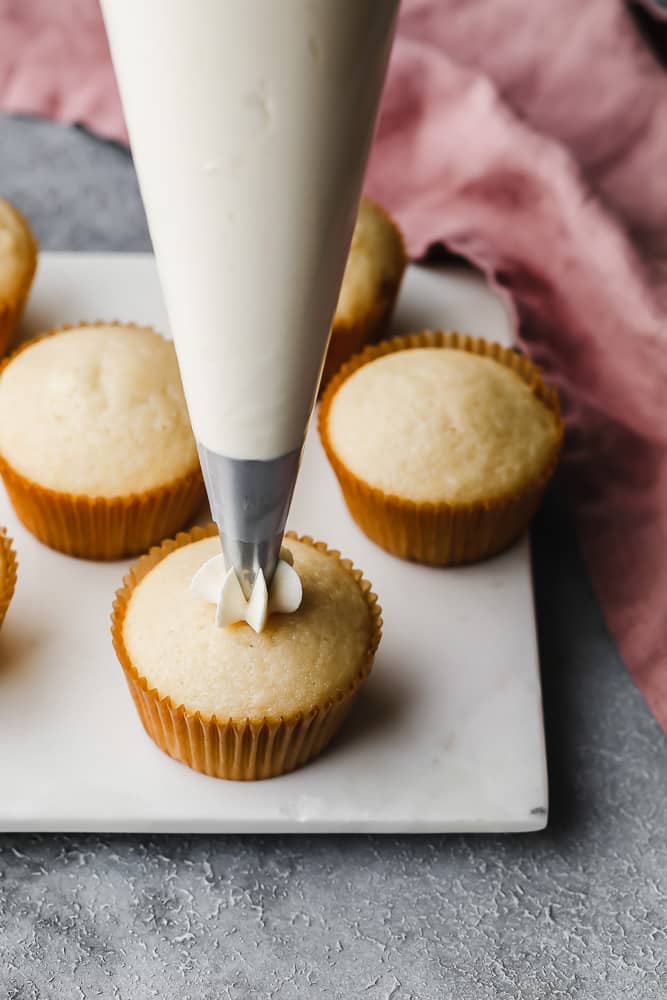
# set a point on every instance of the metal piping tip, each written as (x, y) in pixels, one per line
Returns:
(250, 500)
(248, 558)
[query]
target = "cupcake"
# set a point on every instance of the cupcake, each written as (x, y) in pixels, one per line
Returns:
(442, 444)
(227, 701)
(96, 450)
(18, 260)
(8, 567)
(370, 286)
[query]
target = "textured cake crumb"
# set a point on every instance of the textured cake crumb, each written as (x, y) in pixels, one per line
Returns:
(299, 661)
(97, 410)
(434, 424)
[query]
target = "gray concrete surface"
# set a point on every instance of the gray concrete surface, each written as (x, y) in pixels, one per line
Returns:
(577, 911)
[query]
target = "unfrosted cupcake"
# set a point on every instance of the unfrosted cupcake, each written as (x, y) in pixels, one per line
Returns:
(230, 702)
(371, 283)
(96, 449)
(442, 444)
(8, 569)
(18, 260)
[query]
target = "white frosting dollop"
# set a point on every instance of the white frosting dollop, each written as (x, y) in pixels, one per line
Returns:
(216, 584)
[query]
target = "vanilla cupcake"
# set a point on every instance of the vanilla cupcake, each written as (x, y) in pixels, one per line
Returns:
(230, 702)
(18, 260)
(370, 286)
(8, 569)
(442, 445)
(96, 449)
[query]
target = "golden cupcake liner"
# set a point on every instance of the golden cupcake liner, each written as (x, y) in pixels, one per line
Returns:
(11, 309)
(8, 571)
(442, 533)
(101, 528)
(241, 750)
(350, 337)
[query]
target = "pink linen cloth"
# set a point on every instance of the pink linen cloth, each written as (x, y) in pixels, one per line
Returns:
(532, 139)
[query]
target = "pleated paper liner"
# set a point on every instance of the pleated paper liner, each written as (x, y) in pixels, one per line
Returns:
(442, 533)
(11, 306)
(98, 527)
(238, 749)
(348, 338)
(351, 335)
(8, 571)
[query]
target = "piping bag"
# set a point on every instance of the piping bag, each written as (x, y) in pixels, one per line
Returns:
(250, 123)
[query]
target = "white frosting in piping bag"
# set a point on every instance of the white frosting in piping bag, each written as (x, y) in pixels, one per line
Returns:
(250, 123)
(216, 584)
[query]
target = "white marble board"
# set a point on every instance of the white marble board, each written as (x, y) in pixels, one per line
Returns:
(447, 736)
